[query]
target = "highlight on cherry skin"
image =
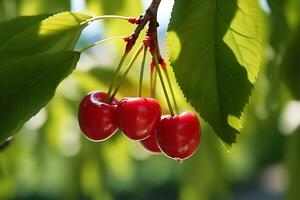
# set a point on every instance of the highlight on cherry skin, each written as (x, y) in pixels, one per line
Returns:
(138, 117)
(97, 119)
(179, 136)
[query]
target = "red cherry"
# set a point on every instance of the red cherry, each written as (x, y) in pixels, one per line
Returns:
(138, 117)
(97, 120)
(150, 144)
(179, 136)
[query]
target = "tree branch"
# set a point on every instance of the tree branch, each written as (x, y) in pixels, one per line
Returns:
(150, 15)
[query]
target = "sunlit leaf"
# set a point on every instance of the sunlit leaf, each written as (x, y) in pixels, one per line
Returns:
(215, 50)
(56, 33)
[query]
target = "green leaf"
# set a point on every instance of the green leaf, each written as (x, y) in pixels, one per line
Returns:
(56, 33)
(290, 66)
(34, 7)
(12, 27)
(215, 51)
(28, 83)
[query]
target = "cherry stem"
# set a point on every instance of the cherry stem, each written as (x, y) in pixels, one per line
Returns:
(163, 84)
(153, 77)
(172, 91)
(135, 56)
(142, 72)
(151, 83)
(154, 82)
(102, 41)
(108, 98)
(106, 17)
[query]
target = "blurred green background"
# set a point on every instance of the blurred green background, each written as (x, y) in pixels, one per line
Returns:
(50, 159)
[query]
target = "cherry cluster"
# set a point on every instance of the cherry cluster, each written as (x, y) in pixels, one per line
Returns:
(101, 114)
(140, 119)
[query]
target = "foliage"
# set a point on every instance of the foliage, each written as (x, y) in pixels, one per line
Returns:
(50, 159)
(224, 59)
(34, 61)
(28, 83)
(226, 54)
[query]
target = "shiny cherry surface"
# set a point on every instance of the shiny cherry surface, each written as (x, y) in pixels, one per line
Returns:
(138, 117)
(179, 136)
(97, 120)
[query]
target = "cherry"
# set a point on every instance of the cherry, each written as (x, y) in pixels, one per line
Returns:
(97, 120)
(150, 143)
(179, 136)
(138, 117)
